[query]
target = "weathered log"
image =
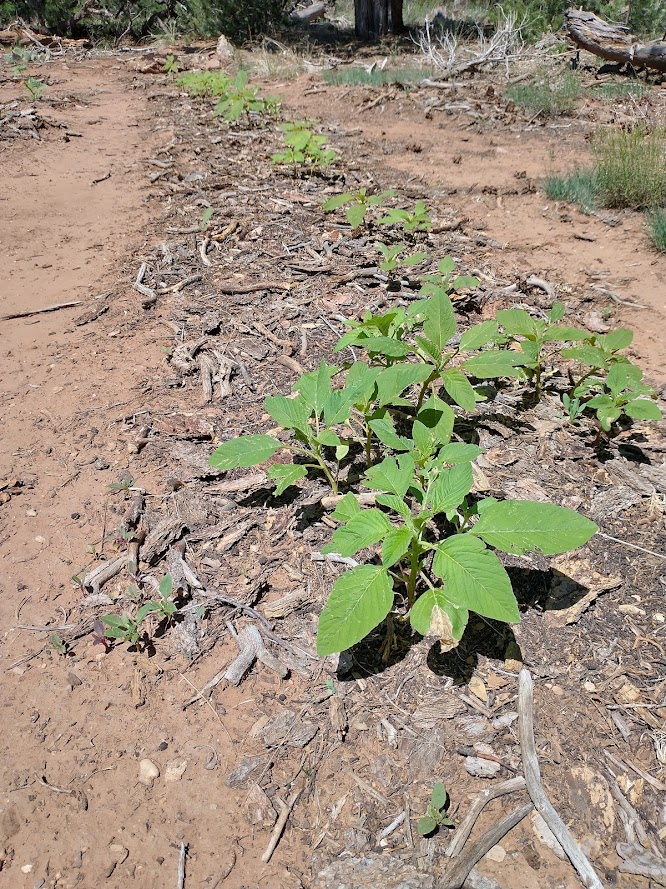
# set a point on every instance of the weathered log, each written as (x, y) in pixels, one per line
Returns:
(613, 42)
(310, 13)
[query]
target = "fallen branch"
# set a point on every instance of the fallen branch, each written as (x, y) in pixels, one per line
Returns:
(535, 789)
(456, 875)
(462, 834)
(613, 42)
(53, 308)
(280, 824)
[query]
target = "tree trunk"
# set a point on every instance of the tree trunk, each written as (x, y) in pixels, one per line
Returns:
(376, 18)
(614, 42)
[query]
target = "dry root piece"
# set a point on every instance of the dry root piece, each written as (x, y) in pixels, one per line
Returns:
(252, 648)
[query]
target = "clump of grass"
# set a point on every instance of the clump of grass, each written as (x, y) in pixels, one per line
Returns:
(578, 188)
(550, 97)
(616, 91)
(377, 77)
(656, 223)
(631, 167)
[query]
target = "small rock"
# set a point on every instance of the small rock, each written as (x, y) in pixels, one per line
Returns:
(101, 464)
(497, 854)
(148, 771)
(475, 880)
(589, 686)
(73, 680)
(258, 808)
(481, 768)
(27, 868)
(249, 766)
(118, 853)
(224, 49)
(31, 512)
(545, 835)
(175, 770)
(288, 729)
(10, 824)
(631, 609)
(505, 720)
(475, 726)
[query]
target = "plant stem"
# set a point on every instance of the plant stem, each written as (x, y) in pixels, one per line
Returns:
(414, 567)
(368, 447)
(424, 389)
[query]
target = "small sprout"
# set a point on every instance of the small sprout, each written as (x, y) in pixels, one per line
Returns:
(99, 635)
(58, 644)
(123, 485)
(171, 65)
(435, 815)
(35, 87)
(206, 217)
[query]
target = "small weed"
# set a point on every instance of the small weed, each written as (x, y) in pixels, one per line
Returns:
(123, 627)
(206, 84)
(547, 95)
(357, 204)
(58, 645)
(418, 220)
(126, 628)
(656, 223)
(206, 217)
(395, 258)
(435, 815)
(304, 150)
(35, 87)
(616, 91)
(241, 99)
(578, 188)
(631, 167)
(171, 65)
(124, 485)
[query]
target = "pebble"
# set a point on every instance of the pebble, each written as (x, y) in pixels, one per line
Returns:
(545, 835)
(505, 720)
(481, 768)
(27, 868)
(175, 770)
(497, 854)
(118, 853)
(148, 771)
(631, 609)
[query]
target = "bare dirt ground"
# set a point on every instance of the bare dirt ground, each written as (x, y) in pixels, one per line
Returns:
(98, 415)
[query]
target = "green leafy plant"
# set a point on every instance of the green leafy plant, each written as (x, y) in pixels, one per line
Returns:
(122, 627)
(355, 76)
(58, 645)
(357, 204)
(630, 167)
(394, 258)
(532, 336)
(206, 217)
(579, 188)
(435, 815)
(35, 87)
(657, 229)
(303, 148)
(622, 392)
(122, 486)
(171, 65)
(547, 95)
(163, 607)
(417, 220)
(239, 99)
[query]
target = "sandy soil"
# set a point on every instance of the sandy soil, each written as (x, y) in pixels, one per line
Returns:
(75, 729)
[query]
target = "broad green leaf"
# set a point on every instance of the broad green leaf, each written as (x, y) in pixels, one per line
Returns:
(246, 450)
(557, 312)
(475, 578)
(315, 386)
(440, 322)
(337, 407)
(328, 438)
(600, 401)
(520, 526)
(360, 382)
(607, 416)
(384, 345)
(478, 336)
(459, 388)
(643, 409)
(414, 259)
(434, 614)
(565, 334)
(430, 349)
(393, 381)
(465, 282)
(622, 376)
(516, 322)
(342, 450)
(385, 432)
(286, 474)
(391, 476)
(426, 825)
(397, 504)
(359, 601)
(147, 609)
(489, 364)
(346, 509)
(451, 487)
(166, 586)
(433, 426)
(446, 266)
(364, 529)
(459, 452)
(616, 339)
(355, 215)
(586, 355)
(439, 796)
(338, 200)
(290, 413)
(395, 545)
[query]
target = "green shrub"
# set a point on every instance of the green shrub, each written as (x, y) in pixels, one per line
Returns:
(657, 229)
(235, 19)
(546, 95)
(613, 92)
(631, 167)
(363, 77)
